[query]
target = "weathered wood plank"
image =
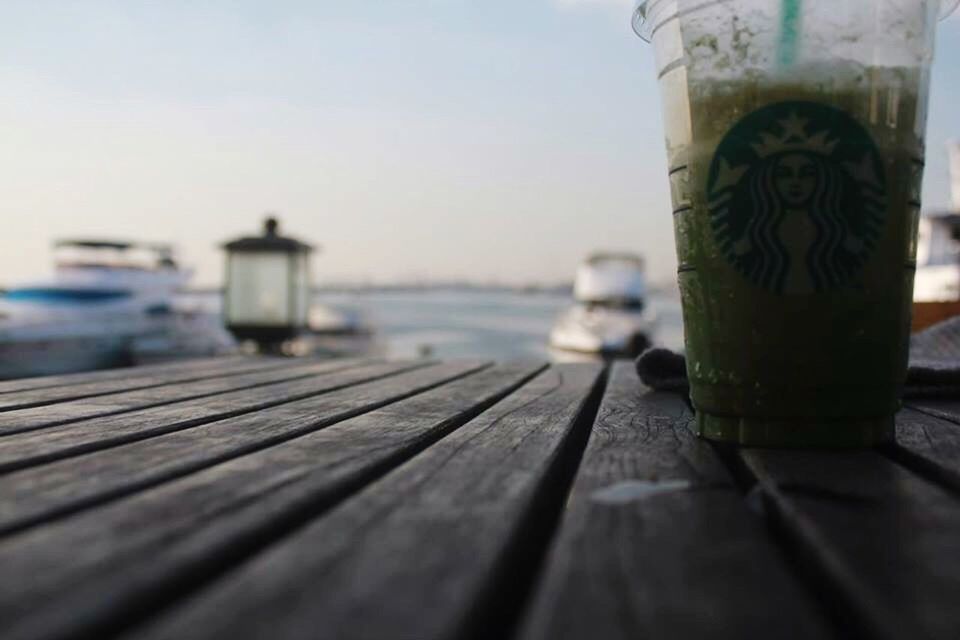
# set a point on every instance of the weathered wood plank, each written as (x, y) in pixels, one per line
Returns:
(929, 445)
(40, 417)
(90, 386)
(656, 542)
(121, 373)
(38, 494)
(100, 570)
(416, 554)
(62, 441)
(884, 542)
(941, 408)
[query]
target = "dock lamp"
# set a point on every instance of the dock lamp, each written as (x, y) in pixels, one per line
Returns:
(267, 293)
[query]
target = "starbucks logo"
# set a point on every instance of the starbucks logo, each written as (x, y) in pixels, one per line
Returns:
(797, 197)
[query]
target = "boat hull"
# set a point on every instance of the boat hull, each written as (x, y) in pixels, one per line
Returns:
(62, 355)
(603, 332)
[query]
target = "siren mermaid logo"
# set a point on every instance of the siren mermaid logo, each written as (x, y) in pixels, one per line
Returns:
(797, 197)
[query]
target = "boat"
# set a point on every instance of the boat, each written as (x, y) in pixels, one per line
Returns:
(103, 298)
(610, 315)
(190, 331)
(336, 331)
(936, 287)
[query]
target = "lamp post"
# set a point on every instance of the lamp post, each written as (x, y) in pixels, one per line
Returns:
(267, 292)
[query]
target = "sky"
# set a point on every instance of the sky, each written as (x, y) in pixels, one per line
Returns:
(489, 140)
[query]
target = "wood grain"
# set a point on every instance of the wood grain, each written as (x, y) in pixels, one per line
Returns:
(39, 417)
(656, 542)
(35, 495)
(62, 441)
(940, 408)
(930, 446)
(123, 373)
(415, 554)
(103, 569)
(88, 386)
(884, 542)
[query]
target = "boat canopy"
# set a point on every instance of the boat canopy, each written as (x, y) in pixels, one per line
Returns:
(937, 242)
(113, 254)
(611, 277)
(117, 245)
(625, 258)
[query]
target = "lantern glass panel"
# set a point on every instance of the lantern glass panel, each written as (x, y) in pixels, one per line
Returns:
(301, 287)
(259, 289)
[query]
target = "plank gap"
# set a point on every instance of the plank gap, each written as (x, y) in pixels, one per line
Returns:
(109, 443)
(157, 600)
(185, 376)
(808, 566)
(293, 374)
(499, 609)
(930, 470)
(118, 373)
(790, 550)
(129, 489)
(729, 455)
(934, 413)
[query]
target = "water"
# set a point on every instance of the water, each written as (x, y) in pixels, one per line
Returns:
(443, 324)
(481, 324)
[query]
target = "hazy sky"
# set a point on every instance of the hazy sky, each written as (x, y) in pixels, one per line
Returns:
(481, 139)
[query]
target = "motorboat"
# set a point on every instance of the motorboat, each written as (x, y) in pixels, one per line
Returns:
(337, 331)
(191, 331)
(104, 296)
(938, 258)
(936, 286)
(610, 315)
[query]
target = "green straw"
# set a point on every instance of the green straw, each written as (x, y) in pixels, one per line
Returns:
(789, 32)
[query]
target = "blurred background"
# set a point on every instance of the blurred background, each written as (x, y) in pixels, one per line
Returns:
(456, 164)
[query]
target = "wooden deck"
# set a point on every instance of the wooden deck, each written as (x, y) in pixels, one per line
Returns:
(244, 498)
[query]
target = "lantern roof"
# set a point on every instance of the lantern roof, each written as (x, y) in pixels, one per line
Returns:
(271, 240)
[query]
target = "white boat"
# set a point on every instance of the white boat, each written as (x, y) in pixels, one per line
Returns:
(938, 246)
(938, 258)
(936, 286)
(191, 331)
(103, 298)
(337, 331)
(610, 315)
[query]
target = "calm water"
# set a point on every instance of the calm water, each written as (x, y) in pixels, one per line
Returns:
(459, 324)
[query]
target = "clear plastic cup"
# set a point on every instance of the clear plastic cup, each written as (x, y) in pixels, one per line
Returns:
(795, 138)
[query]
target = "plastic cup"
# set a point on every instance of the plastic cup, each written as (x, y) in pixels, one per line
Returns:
(795, 140)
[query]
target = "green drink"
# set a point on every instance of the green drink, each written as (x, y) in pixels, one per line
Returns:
(795, 169)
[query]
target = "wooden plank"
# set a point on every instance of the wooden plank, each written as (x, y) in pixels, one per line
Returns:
(87, 386)
(100, 570)
(38, 494)
(62, 441)
(416, 554)
(884, 542)
(121, 373)
(656, 542)
(929, 445)
(48, 415)
(941, 408)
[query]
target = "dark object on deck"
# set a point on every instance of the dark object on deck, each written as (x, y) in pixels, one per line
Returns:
(638, 343)
(251, 498)
(934, 365)
(663, 370)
